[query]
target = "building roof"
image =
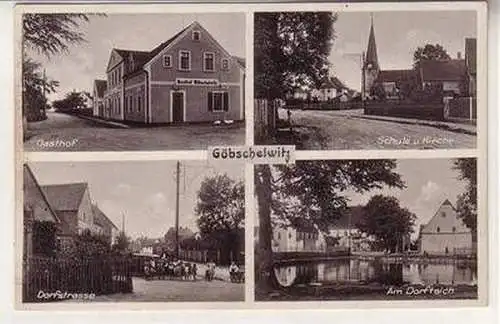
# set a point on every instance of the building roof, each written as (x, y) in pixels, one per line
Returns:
(29, 173)
(101, 86)
(65, 197)
(443, 70)
(303, 225)
(470, 54)
(350, 219)
(332, 83)
(371, 50)
(395, 75)
(100, 218)
(240, 60)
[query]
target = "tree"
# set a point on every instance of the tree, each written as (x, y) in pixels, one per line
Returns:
(35, 85)
(467, 201)
(46, 34)
(291, 50)
(50, 34)
(122, 242)
(430, 52)
(387, 221)
(319, 191)
(72, 100)
(221, 212)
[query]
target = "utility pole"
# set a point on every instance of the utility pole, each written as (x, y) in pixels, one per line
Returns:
(177, 176)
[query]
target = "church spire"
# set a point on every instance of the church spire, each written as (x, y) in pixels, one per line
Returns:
(371, 60)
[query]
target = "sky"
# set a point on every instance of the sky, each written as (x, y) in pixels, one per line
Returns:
(429, 182)
(144, 191)
(397, 35)
(86, 62)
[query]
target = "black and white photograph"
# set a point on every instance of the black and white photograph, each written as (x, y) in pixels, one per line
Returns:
(367, 230)
(133, 231)
(366, 80)
(129, 82)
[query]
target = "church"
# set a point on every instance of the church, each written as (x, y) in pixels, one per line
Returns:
(454, 76)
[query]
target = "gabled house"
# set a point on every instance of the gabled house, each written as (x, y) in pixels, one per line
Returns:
(448, 75)
(445, 233)
(301, 235)
(73, 206)
(98, 97)
(329, 89)
(36, 210)
(188, 78)
(103, 225)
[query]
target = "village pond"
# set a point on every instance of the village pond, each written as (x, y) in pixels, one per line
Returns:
(379, 278)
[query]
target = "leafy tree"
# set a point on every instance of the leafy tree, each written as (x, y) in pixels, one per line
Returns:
(122, 243)
(291, 50)
(387, 221)
(467, 201)
(51, 34)
(72, 100)
(430, 52)
(35, 84)
(318, 189)
(46, 34)
(221, 211)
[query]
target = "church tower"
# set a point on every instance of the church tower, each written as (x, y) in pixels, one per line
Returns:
(371, 68)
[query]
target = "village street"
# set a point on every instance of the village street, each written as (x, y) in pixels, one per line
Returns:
(177, 291)
(62, 132)
(338, 130)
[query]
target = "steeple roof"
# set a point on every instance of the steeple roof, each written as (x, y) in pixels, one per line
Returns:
(371, 51)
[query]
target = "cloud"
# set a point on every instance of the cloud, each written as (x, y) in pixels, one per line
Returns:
(121, 190)
(429, 191)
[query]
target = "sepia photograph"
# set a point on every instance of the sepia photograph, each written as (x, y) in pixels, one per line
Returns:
(366, 230)
(133, 231)
(115, 82)
(366, 80)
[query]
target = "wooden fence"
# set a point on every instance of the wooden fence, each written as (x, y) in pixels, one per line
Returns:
(265, 117)
(42, 276)
(431, 111)
(461, 109)
(326, 105)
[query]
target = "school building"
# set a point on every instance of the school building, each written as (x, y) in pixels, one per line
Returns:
(188, 78)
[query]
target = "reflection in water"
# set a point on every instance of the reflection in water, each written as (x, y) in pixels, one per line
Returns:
(390, 273)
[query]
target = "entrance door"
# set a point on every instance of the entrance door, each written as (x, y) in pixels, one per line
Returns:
(177, 106)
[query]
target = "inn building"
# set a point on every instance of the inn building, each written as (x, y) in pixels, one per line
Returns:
(188, 78)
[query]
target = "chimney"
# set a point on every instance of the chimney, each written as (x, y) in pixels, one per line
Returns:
(459, 55)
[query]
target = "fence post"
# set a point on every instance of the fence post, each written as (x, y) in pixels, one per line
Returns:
(470, 108)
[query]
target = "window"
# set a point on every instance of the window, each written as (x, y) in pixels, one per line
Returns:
(279, 236)
(225, 64)
(119, 75)
(167, 61)
(289, 235)
(126, 106)
(218, 101)
(139, 104)
(130, 103)
(196, 35)
(453, 229)
(185, 60)
(208, 61)
(438, 229)
(443, 214)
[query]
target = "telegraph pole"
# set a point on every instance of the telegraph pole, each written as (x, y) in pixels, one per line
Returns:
(177, 176)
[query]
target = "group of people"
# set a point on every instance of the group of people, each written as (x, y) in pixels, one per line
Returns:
(164, 268)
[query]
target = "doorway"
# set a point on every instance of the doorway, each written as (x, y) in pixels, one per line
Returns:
(178, 103)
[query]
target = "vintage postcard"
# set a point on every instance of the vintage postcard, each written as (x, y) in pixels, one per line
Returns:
(251, 156)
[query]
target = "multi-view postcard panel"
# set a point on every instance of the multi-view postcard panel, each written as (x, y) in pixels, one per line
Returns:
(137, 82)
(165, 95)
(371, 80)
(138, 231)
(380, 229)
